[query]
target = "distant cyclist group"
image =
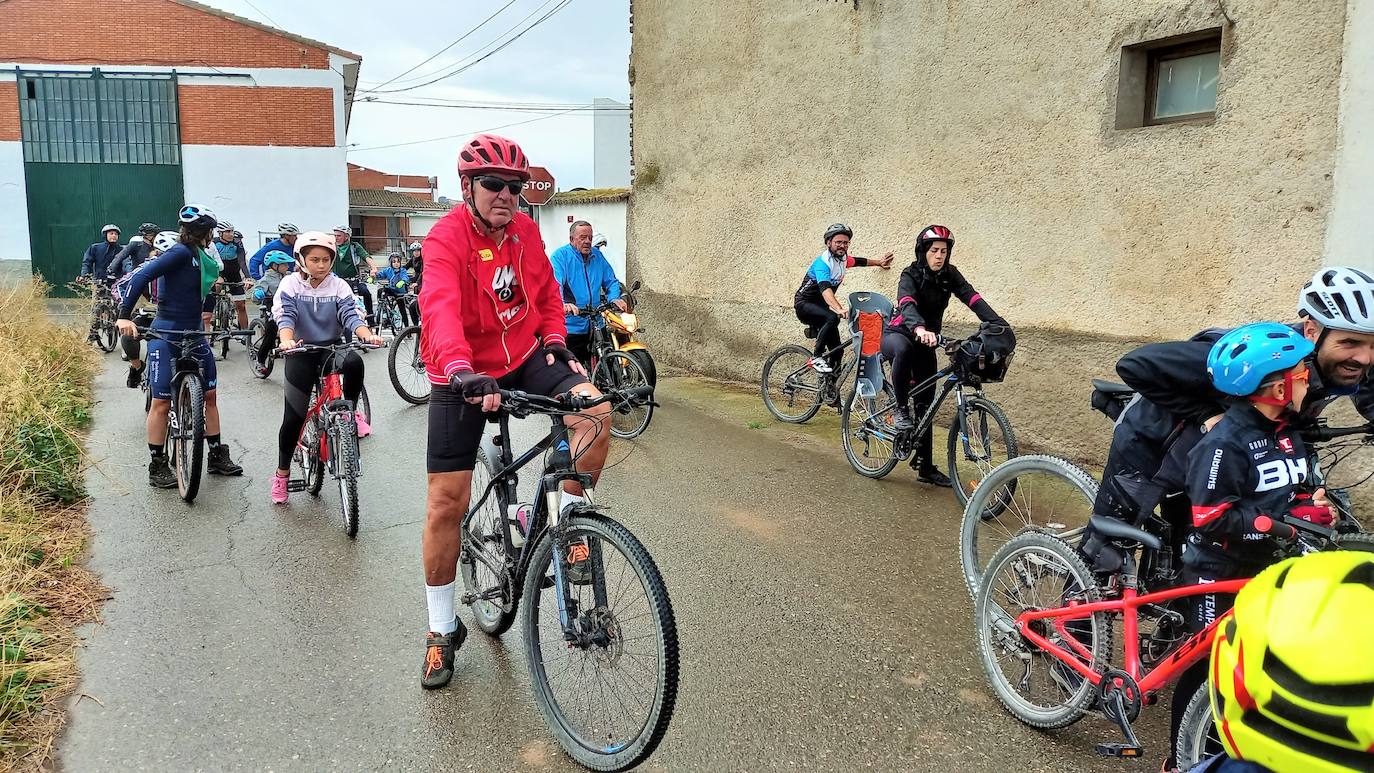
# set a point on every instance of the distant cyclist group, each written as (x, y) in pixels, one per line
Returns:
(1209, 461)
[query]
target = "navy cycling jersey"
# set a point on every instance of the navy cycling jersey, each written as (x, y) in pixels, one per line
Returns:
(1247, 466)
(826, 272)
(179, 297)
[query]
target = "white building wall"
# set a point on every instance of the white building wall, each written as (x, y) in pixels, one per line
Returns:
(606, 218)
(1349, 229)
(256, 188)
(611, 144)
(14, 210)
(420, 224)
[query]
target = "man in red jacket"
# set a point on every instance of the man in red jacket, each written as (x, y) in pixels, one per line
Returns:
(493, 320)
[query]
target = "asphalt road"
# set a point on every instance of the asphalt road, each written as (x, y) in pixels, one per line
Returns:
(822, 619)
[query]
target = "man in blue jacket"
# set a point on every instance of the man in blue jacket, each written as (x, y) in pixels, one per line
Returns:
(285, 242)
(99, 254)
(583, 275)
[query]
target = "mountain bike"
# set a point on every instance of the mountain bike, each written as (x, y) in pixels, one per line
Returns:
(186, 416)
(597, 621)
(222, 318)
(613, 369)
(257, 339)
(1040, 605)
(104, 312)
(980, 434)
(793, 390)
(406, 369)
(1053, 495)
(388, 310)
(329, 437)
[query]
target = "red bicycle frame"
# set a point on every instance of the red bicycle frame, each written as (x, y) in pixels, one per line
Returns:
(330, 389)
(1193, 649)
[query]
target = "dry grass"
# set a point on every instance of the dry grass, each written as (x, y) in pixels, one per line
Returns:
(45, 382)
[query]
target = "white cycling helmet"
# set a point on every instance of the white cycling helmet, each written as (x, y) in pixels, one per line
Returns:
(197, 216)
(1340, 298)
(165, 241)
(599, 240)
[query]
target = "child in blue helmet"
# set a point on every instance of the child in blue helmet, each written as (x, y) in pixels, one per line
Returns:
(1252, 464)
(398, 279)
(276, 265)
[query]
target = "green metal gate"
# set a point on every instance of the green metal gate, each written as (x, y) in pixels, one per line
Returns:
(98, 149)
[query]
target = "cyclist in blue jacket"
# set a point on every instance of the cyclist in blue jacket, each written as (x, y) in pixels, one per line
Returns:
(399, 284)
(284, 243)
(584, 276)
(185, 273)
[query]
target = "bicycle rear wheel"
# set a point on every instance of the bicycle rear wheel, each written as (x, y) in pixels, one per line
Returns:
(609, 694)
(406, 369)
(256, 341)
(1039, 572)
(106, 334)
(618, 370)
(1028, 493)
(188, 436)
(224, 312)
(987, 443)
(791, 387)
(867, 434)
(482, 533)
(343, 449)
(365, 405)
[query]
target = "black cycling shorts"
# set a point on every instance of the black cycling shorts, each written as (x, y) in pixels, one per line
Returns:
(455, 425)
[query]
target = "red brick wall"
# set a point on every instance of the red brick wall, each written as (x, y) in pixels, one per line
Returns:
(362, 178)
(110, 32)
(9, 112)
(264, 115)
(375, 241)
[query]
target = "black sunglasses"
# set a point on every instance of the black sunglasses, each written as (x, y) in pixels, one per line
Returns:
(495, 184)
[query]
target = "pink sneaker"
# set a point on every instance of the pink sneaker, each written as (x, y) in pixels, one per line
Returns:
(364, 429)
(279, 489)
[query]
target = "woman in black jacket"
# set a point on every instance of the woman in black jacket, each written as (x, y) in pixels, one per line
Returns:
(923, 293)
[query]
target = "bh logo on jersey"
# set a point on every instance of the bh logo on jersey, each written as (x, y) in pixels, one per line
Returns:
(1280, 473)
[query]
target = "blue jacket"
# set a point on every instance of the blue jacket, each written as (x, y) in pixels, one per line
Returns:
(395, 276)
(97, 256)
(179, 298)
(582, 281)
(255, 266)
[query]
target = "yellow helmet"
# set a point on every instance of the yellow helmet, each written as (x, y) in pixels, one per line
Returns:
(1292, 670)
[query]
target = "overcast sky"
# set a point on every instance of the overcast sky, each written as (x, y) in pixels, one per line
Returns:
(579, 54)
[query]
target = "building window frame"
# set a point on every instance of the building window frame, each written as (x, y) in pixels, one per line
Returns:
(1156, 57)
(1138, 79)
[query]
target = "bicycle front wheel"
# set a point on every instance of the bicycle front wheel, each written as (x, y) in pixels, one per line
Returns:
(1198, 740)
(106, 335)
(608, 693)
(616, 371)
(406, 369)
(482, 534)
(791, 387)
(344, 449)
(867, 434)
(365, 405)
(1028, 493)
(979, 443)
(223, 324)
(256, 341)
(188, 435)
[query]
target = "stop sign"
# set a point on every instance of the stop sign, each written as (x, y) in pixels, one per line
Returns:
(539, 188)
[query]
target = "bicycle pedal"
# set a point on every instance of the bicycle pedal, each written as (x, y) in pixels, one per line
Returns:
(468, 599)
(1118, 750)
(295, 484)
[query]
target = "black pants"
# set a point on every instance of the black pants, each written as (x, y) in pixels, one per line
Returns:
(1203, 609)
(827, 324)
(302, 371)
(401, 305)
(360, 287)
(269, 341)
(912, 363)
(580, 344)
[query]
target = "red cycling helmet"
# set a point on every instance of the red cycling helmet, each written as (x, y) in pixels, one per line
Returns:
(490, 153)
(934, 233)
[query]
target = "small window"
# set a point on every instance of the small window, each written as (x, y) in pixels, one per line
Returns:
(1170, 80)
(1183, 82)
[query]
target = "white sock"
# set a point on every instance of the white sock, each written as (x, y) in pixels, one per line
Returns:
(440, 601)
(569, 499)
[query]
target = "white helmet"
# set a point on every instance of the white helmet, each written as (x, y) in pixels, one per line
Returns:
(1340, 298)
(599, 240)
(165, 241)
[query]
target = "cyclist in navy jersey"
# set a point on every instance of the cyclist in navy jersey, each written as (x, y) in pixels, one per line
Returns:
(815, 302)
(185, 273)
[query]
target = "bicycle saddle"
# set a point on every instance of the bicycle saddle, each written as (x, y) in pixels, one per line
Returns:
(811, 331)
(1111, 387)
(1112, 528)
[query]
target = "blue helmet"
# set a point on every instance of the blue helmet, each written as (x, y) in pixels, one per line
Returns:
(277, 257)
(1242, 359)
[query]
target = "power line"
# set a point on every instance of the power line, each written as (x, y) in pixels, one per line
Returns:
(561, 5)
(460, 134)
(264, 14)
(450, 45)
(513, 107)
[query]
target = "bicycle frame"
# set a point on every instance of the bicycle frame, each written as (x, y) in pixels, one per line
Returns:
(1128, 604)
(328, 392)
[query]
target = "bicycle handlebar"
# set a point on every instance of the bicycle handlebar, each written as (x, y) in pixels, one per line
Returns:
(520, 403)
(1287, 528)
(279, 352)
(1322, 433)
(152, 332)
